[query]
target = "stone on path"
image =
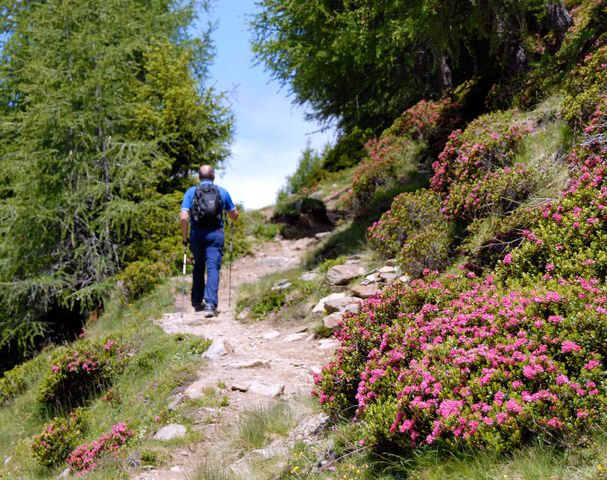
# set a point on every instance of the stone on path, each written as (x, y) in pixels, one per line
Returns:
(365, 291)
(294, 337)
(326, 344)
(341, 304)
(271, 335)
(267, 390)
(320, 306)
(331, 321)
(252, 364)
(218, 349)
(343, 274)
(304, 243)
(170, 432)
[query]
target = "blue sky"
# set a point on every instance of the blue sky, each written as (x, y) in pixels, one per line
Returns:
(270, 131)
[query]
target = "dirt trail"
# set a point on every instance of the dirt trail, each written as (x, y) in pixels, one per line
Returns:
(257, 362)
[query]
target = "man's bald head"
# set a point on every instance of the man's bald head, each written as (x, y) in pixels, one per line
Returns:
(206, 172)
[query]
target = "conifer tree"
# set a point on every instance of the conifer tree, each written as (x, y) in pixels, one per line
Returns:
(103, 110)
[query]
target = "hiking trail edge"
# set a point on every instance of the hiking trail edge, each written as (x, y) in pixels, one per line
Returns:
(257, 362)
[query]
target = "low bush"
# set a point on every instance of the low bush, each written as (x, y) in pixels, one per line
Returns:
(391, 160)
(58, 439)
(489, 239)
(78, 373)
(454, 361)
(490, 142)
(140, 277)
(85, 458)
(414, 231)
(347, 152)
(570, 239)
(495, 193)
(16, 380)
(429, 122)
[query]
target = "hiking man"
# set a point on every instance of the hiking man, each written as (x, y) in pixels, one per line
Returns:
(202, 209)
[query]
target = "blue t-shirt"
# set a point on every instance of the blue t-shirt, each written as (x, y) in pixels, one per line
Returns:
(188, 198)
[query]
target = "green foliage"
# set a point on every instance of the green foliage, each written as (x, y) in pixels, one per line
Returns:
(361, 62)
(18, 379)
(58, 438)
(77, 374)
(308, 172)
(140, 277)
(347, 152)
(329, 263)
(391, 161)
(104, 111)
(586, 84)
(255, 427)
(415, 231)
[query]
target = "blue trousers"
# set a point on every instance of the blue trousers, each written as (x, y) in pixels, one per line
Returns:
(207, 248)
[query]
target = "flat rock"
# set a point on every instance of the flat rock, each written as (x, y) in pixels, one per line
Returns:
(388, 277)
(216, 350)
(331, 321)
(320, 306)
(365, 291)
(294, 337)
(372, 278)
(170, 432)
(267, 390)
(309, 277)
(387, 269)
(244, 314)
(405, 278)
(271, 335)
(321, 235)
(310, 428)
(283, 284)
(344, 274)
(304, 243)
(326, 344)
(252, 364)
(237, 387)
(175, 400)
(341, 304)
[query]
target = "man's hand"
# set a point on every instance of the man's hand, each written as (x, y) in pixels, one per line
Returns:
(185, 242)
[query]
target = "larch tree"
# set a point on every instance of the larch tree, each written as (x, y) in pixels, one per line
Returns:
(104, 113)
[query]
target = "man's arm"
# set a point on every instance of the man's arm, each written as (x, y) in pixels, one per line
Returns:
(184, 220)
(233, 214)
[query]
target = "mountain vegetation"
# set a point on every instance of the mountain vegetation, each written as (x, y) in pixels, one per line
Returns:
(105, 112)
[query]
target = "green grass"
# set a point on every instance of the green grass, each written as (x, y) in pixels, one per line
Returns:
(211, 471)
(289, 304)
(351, 461)
(157, 364)
(255, 428)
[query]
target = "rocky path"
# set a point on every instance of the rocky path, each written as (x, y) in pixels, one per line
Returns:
(254, 363)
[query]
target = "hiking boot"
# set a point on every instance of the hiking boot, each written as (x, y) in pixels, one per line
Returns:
(198, 308)
(209, 311)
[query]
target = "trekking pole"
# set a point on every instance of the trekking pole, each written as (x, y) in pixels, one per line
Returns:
(182, 282)
(230, 267)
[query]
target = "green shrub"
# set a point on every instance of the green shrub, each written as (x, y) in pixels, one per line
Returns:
(58, 439)
(585, 85)
(455, 361)
(17, 380)
(391, 160)
(141, 276)
(415, 231)
(78, 373)
(271, 301)
(308, 172)
(326, 265)
(347, 152)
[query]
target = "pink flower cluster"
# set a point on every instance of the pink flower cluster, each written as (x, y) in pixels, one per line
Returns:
(85, 457)
(466, 361)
